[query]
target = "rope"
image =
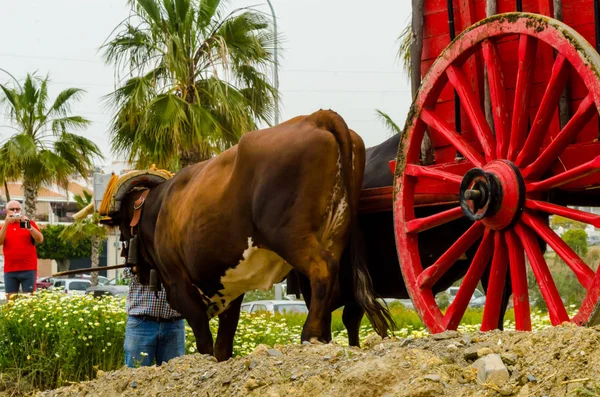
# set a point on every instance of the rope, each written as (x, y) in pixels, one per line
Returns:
(115, 183)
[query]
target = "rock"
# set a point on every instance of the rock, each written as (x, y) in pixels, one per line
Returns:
(509, 358)
(491, 369)
(326, 358)
(405, 342)
(261, 350)
(253, 364)
(531, 378)
(372, 340)
(484, 351)
(524, 392)
(274, 353)
(466, 339)
(295, 376)
(133, 384)
(251, 384)
(452, 347)
(471, 352)
(446, 335)
(208, 374)
(433, 377)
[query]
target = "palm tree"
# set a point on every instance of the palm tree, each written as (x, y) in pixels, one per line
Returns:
(44, 148)
(87, 227)
(198, 80)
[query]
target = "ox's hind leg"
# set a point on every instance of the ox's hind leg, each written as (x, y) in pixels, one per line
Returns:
(321, 268)
(228, 321)
(186, 299)
(304, 286)
(351, 318)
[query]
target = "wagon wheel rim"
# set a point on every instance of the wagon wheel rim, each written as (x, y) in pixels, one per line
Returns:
(507, 222)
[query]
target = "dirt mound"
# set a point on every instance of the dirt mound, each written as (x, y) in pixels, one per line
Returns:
(553, 362)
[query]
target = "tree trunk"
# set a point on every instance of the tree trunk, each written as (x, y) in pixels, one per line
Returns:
(95, 259)
(63, 265)
(30, 191)
(6, 191)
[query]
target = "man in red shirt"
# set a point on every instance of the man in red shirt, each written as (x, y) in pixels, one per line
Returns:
(18, 236)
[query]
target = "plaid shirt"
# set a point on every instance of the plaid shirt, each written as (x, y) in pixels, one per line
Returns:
(142, 301)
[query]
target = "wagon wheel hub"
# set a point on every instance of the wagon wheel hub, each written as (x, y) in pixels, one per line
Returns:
(494, 195)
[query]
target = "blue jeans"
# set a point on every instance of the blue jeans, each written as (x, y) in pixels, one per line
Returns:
(25, 279)
(160, 341)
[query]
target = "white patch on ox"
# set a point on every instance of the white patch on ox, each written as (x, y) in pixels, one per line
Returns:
(337, 210)
(259, 268)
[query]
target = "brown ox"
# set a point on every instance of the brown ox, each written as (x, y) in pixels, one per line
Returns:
(283, 198)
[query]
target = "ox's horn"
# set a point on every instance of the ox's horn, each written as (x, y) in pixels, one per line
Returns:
(84, 212)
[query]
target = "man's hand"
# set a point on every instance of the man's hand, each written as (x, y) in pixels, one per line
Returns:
(11, 219)
(25, 219)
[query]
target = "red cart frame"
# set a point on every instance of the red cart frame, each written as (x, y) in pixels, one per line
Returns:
(503, 130)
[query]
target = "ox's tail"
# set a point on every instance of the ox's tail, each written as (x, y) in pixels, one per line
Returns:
(364, 292)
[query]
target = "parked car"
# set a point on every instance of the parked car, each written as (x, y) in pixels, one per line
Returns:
(44, 283)
(477, 300)
(275, 306)
(108, 290)
(48, 282)
(72, 285)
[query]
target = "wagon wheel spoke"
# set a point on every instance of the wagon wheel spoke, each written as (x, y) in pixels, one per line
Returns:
(422, 224)
(575, 173)
(518, 278)
(428, 172)
(471, 106)
(549, 104)
(520, 118)
(567, 212)
(464, 148)
(433, 273)
(497, 97)
(582, 271)
(496, 282)
(585, 112)
(556, 309)
(457, 308)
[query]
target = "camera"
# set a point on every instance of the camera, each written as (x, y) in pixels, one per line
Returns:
(23, 224)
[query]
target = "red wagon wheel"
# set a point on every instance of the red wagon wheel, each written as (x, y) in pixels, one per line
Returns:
(501, 182)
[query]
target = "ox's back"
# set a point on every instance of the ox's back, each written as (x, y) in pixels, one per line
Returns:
(237, 222)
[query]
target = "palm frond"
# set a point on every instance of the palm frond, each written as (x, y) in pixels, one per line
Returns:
(390, 125)
(405, 40)
(62, 104)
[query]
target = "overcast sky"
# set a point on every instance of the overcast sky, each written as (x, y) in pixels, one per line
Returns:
(335, 54)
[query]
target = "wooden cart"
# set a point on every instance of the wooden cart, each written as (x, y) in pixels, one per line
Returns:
(503, 130)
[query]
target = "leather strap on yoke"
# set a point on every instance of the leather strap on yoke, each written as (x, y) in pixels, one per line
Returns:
(137, 209)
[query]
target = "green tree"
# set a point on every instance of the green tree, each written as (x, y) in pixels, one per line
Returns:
(87, 228)
(198, 80)
(44, 147)
(62, 251)
(557, 221)
(577, 240)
